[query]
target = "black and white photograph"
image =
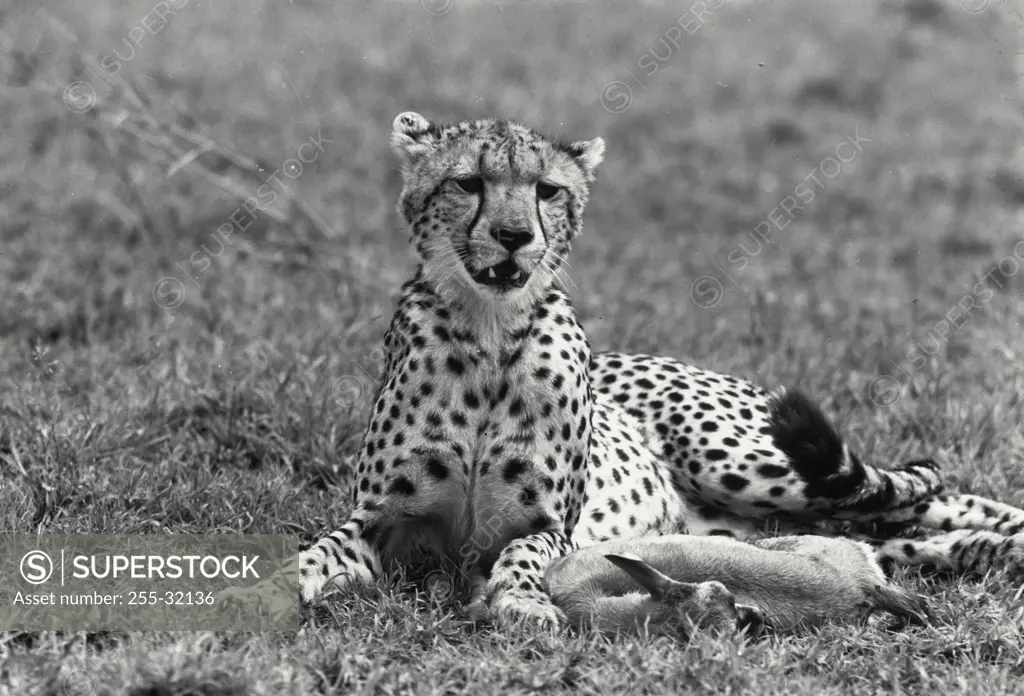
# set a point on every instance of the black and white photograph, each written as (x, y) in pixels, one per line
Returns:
(511, 347)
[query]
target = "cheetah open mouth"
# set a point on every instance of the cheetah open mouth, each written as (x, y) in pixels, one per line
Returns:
(506, 274)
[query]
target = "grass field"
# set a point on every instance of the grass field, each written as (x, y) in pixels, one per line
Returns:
(143, 394)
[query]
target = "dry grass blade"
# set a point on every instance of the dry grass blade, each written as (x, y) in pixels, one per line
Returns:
(185, 160)
(127, 109)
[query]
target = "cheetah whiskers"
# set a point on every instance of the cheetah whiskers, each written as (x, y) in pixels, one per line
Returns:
(554, 263)
(562, 264)
(551, 267)
(448, 266)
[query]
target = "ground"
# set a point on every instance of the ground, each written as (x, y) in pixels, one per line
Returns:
(231, 398)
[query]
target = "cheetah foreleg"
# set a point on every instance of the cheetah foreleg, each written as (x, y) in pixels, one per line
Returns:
(339, 559)
(516, 590)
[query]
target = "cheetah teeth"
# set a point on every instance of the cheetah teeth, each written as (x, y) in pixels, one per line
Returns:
(515, 276)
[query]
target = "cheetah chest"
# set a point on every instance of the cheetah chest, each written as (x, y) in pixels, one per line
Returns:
(487, 445)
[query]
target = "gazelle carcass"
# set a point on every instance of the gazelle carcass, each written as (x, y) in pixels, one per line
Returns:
(675, 584)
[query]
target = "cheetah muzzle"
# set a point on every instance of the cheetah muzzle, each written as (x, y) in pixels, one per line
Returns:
(503, 276)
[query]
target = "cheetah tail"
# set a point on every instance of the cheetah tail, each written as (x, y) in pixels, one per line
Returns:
(831, 472)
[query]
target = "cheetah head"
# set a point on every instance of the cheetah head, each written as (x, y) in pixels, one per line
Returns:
(491, 205)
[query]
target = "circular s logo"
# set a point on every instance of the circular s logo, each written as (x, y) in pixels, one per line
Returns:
(79, 681)
(79, 97)
(36, 567)
(438, 8)
(884, 390)
(348, 391)
(975, 6)
(439, 586)
(616, 97)
(706, 292)
(169, 293)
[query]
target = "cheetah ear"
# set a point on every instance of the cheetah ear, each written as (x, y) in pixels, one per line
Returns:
(410, 136)
(588, 154)
(651, 579)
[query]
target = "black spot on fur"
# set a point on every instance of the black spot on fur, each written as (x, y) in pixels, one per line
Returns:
(528, 496)
(539, 524)
(514, 469)
(734, 482)
(402, 486)
(437, 468)
(772, 471)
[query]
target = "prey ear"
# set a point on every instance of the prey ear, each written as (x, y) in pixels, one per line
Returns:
(411, 136)
(588, 154)
(651, 579)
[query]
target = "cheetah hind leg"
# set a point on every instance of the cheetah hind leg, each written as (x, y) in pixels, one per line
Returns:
(963, 552)
(952, 512)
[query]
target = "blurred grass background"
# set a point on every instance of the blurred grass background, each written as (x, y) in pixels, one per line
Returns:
(239, 409)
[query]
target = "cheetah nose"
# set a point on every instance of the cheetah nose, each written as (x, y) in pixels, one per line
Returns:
(512, 238)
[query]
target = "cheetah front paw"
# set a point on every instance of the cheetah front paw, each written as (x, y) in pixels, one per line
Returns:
(514, 610)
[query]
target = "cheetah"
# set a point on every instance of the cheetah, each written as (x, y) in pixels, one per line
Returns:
(497, 439)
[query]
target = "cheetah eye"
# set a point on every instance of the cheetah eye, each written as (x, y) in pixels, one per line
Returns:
(470, 184)
(546, 192)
